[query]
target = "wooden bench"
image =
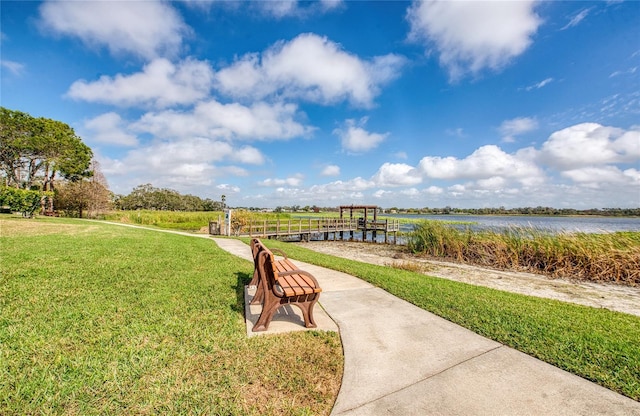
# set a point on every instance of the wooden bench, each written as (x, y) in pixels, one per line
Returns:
(280, 283)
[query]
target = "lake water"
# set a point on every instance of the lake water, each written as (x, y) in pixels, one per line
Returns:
(586, 224)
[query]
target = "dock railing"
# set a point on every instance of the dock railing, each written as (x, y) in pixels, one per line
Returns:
(269, 228)
(306, 228)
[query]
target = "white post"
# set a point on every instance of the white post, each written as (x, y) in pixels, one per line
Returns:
(227, 221)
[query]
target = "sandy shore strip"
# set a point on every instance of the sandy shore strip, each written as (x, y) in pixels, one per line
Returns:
(598, 295)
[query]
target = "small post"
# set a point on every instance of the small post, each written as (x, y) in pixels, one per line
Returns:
(227, 222)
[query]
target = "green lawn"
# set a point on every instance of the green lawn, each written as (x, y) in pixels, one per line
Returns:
(597, 344)
(103, 319)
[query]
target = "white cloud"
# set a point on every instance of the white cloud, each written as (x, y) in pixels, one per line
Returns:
(629, 71)
(410, 192)
(144, 28)
(472, 36)
(292, 8)
(249, 155)
(354, 185)
(109, 128)
(183, 164)
(579, 17)
(16, 68)
(160, 84)
(331, 170)
(590, 144)
(486, 162)
(493, 183)
(331, 4)
(396, 174)
(540, 84)
(599, 176)
(434, 190)
(295, 180)
(279, 8)
(311, 68)
(355, 138)
(260, 121)
(380, 193)
(225, 187)
(516, 126)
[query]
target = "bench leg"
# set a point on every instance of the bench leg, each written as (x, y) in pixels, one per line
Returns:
(255, 279)
(271, 305)
(258, 297)
(307, 311)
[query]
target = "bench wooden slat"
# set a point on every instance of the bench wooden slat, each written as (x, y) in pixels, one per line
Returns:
(300, 279)
(290, 286)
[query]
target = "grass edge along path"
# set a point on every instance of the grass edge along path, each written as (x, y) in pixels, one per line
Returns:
(597, 344)
(104, 319)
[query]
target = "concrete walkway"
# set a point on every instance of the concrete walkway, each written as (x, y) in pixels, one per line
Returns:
(402, 360)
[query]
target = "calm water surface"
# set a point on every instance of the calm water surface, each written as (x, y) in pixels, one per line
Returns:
(584, 224)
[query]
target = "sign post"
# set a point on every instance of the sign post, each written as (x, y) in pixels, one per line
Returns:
(227, 222)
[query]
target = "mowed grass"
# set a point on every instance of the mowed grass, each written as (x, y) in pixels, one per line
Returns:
(598, 344)
(103, 319)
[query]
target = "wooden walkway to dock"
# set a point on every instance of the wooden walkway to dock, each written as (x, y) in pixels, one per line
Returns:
(327, 229)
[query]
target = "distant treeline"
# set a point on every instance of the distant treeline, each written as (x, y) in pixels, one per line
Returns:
(147, 197)
(547, 211)
(607, 212)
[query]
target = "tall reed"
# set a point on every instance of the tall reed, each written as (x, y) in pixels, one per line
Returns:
(611, 257)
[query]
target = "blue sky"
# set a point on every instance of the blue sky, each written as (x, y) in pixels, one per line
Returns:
(397, 104)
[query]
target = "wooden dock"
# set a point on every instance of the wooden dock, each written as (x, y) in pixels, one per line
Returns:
(328, 229)
(358, 225)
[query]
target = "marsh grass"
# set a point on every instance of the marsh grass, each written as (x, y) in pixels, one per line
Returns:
(173, 220)
(101, 319)
(598, 344)
(611, 257)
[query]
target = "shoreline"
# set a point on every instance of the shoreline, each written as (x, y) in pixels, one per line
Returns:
(619, 298)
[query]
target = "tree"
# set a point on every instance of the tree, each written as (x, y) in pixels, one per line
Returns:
(35, 150)
(14, 129)
(90, 195)
(149, 197)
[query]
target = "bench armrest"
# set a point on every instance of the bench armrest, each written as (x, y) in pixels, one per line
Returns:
(280, 252)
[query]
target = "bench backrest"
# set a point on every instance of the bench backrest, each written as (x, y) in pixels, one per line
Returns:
(256, 248)
(267, 270)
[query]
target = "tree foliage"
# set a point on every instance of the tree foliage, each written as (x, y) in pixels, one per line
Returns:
(25, 201)
(34, 150)
(89, 195)
(149, 197)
